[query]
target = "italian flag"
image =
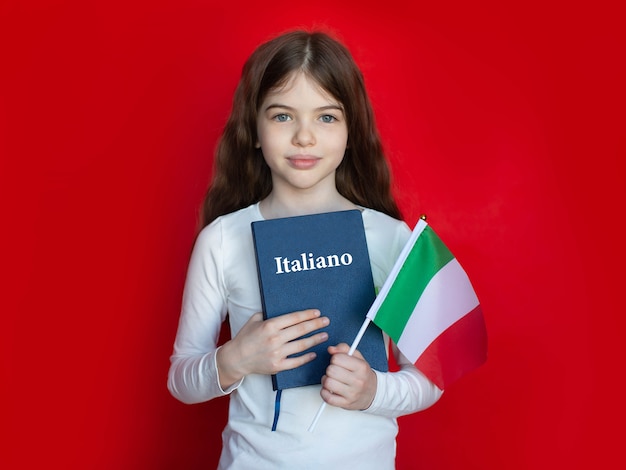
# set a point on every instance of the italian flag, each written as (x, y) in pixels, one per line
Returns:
(428, 307)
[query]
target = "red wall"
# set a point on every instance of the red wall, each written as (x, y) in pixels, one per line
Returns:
(504, 124)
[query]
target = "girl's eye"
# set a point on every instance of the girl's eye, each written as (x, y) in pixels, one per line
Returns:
(281, 117)
(328, 118)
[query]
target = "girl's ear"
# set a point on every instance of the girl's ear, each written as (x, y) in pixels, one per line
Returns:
(257, 145)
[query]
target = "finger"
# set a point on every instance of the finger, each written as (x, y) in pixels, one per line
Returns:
(341, 359)
(293, 362)
(294, 318)
(300, 345)
(339, 375)
(333, 399)
(334, 392)
(298, 330)
(341, 348)
(333, 385)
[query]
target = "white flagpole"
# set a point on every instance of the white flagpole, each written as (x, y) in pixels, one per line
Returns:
(355, 344)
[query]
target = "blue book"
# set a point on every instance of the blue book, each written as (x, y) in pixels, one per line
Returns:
(319, 261)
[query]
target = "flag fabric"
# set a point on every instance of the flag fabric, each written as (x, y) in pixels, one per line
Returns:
(428, 307)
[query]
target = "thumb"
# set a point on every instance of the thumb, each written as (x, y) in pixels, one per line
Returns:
(341, 348)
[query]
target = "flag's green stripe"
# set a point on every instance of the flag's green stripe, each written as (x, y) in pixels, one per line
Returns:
(428, 256)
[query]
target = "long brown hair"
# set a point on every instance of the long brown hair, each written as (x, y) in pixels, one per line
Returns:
(241, 177)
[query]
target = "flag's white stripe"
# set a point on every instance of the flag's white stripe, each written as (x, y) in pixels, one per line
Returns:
(384, 290)
(448, 297)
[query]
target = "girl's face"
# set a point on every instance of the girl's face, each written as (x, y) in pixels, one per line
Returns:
(303, 134)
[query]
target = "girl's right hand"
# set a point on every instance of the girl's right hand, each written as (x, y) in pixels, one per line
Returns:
(263, 346)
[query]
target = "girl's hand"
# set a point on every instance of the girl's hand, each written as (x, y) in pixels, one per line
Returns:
(349, 382)
(262, 347)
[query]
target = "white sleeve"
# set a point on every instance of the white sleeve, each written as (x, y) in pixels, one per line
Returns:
(193, 375)
(403, 392)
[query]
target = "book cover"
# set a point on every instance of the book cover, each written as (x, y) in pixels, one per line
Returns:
(319, 261)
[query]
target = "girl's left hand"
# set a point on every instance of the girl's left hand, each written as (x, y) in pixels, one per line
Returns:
(350, 382)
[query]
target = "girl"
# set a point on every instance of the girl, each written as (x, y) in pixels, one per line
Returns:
(301, 139)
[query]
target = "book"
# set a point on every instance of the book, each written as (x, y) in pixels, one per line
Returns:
(319, 261)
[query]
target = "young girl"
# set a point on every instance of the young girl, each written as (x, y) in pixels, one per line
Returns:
(301, 139)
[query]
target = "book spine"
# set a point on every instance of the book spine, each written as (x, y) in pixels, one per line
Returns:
(258, 270)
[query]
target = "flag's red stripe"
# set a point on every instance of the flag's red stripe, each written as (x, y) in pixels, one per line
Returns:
(459, 349)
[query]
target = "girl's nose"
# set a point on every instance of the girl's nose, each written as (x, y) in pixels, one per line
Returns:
(304, 136)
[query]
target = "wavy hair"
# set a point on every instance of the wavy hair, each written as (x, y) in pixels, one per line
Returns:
(240, 175)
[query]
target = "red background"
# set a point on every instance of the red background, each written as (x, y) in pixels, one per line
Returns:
(504, 124)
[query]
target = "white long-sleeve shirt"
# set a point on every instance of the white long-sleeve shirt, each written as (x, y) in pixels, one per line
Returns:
(221, 279)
